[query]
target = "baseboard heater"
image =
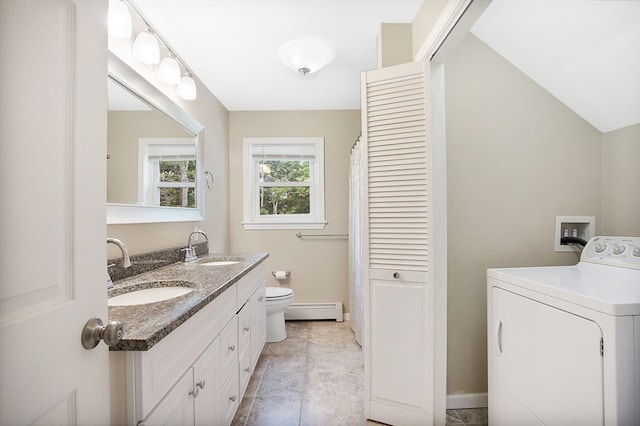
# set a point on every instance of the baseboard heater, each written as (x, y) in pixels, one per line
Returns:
(314, 311)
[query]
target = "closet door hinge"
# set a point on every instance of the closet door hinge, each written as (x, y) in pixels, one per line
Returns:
(601, 346)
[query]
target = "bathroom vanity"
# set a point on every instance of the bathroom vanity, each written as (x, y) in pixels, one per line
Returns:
(188, 360)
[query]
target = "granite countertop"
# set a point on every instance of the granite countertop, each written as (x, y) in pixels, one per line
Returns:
(147, 324)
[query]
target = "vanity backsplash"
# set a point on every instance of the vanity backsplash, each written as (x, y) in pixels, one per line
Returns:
(144, 262)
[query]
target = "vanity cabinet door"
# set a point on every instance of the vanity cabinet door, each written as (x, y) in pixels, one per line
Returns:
(177, 407)
(206, 379)
(258, 303)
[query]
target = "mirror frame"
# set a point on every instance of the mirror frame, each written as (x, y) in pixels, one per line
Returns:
(128, 78)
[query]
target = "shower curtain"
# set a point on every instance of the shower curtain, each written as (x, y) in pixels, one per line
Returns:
(356, 300)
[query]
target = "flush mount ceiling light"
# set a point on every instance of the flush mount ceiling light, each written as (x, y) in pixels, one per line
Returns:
(146, 49)
(306, 55)
(119, 20)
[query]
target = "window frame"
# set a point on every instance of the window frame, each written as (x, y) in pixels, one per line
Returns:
(252, 219)
(149, 184)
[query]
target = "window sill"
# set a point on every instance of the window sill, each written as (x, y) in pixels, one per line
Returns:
(283, 225)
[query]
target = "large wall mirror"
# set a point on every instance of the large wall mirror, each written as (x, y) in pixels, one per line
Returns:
(154, 153)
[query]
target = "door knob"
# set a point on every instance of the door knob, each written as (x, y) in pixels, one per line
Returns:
(94, 331)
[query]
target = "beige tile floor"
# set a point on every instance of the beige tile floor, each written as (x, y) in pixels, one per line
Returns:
(315, 377)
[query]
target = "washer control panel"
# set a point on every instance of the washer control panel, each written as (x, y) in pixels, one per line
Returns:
(614, 251)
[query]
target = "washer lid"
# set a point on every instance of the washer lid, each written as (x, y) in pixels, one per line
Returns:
(277, 292)
(609, 289)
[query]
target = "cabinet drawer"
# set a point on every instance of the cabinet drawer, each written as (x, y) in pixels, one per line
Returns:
(244, 329)
(245, 371)
(248, 284)
(230, 397)
(229, 347)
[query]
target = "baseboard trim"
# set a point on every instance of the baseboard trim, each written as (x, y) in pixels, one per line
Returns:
(467, 400)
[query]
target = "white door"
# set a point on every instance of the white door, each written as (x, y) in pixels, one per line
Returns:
(52, 212)
(399, 343)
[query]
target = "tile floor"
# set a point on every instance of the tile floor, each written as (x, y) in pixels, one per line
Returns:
(315, 377)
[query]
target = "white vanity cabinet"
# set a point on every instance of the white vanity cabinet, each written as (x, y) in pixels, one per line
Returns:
(191, 401)
(198, 373)
(252, 334)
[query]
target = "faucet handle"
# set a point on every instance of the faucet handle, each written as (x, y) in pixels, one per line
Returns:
(189, 254)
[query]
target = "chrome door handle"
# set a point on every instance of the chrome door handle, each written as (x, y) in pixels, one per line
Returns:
(94, 331)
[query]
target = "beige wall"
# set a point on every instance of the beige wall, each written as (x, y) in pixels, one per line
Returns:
(621, 182)
(394, 44)
(215, 119)
(516, 158)
(319, 268)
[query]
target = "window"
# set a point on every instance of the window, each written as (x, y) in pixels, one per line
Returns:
(168, 172)
(284, 183)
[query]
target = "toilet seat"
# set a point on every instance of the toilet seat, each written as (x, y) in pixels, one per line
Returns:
(277, 293)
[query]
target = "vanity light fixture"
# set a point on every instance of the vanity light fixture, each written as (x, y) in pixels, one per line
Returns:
(146, 48)
(187, 88)
(119, 19)
(169, 70)
(307, 55)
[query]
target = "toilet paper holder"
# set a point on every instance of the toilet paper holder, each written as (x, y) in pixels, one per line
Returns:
(276, 274)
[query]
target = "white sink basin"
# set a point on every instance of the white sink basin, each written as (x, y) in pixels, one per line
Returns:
(220, 263)
(148, 295)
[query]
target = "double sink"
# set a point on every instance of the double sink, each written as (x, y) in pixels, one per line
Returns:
(160, 290)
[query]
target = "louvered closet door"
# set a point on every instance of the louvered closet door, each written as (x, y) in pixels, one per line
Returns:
(398, 344)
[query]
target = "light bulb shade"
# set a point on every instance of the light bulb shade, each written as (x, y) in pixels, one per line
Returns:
(146, 49)
(187, 88)
(169, 70)
(306, 55)
(119, 19)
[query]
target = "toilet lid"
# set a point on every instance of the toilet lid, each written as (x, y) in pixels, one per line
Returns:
(278, 292)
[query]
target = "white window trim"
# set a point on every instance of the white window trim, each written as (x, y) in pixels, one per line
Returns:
(148, 179)
(251, 215)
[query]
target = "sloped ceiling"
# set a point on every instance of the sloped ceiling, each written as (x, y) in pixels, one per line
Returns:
(585, 53)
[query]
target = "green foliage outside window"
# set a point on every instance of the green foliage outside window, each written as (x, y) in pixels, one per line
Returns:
(278, 200)
(177, 171)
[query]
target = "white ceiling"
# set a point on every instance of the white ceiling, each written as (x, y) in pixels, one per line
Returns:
(231, 45)
(586, 53)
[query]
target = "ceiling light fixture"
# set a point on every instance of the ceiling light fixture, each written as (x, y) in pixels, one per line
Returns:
(306, 55)
(119, 19)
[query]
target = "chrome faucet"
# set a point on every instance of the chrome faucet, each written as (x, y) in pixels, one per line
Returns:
(126, 262)
(190, 251)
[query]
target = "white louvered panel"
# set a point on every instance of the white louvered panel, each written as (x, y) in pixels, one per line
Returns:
(397, 173)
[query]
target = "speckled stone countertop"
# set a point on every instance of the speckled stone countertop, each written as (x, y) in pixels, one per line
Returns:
(147, 324)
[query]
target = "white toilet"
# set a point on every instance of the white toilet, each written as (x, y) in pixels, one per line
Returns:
(278, 298)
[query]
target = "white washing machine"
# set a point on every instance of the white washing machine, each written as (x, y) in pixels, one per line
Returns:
(564, 341)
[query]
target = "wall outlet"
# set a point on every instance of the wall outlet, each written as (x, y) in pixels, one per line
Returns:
(573, 226)
(196, 237)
